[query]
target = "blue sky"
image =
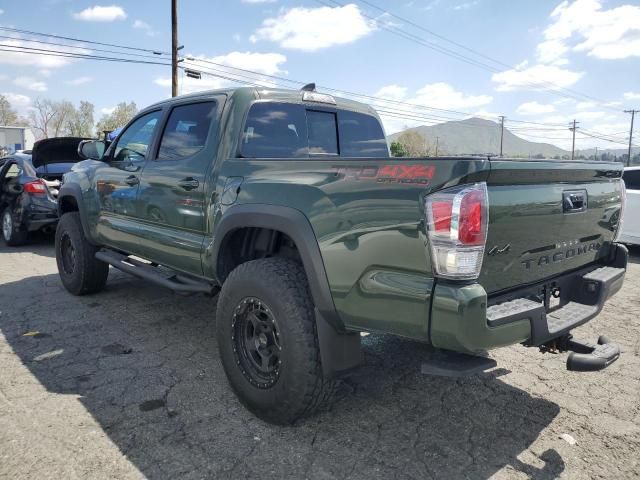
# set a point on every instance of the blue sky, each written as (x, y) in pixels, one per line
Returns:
(590, 47)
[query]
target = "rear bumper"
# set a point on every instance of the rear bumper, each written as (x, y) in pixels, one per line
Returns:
(464, 319)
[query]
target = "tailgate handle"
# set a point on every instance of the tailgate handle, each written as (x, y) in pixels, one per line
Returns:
(574, 201)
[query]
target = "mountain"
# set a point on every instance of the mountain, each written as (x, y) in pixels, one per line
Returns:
(480, 136)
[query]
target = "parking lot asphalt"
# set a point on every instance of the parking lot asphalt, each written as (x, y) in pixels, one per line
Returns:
(127, 384)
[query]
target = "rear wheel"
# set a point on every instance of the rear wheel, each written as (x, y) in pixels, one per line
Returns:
(10, 233)
(78, 267)
(268, 341)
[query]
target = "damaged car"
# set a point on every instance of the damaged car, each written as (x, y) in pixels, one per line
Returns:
(29, 184)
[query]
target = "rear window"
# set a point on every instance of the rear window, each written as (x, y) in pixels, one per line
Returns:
(632, 179)
(282, 130)
(275, 130)
(361, 136)
(323, 137)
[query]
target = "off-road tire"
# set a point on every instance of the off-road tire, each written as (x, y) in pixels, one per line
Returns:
(85, 274)
(300, 388)
(15, 237)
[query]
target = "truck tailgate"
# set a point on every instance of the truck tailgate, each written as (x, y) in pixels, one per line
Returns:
(546, 218)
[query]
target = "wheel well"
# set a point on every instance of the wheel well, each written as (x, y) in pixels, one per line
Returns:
(251, 243)
(68, 204)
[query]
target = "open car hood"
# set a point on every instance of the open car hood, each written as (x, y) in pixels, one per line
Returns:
(55, 150)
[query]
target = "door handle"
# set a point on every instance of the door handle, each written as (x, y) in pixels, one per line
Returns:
(132, 180)
(189, 183)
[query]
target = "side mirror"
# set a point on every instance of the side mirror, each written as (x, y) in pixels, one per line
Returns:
(91, 149)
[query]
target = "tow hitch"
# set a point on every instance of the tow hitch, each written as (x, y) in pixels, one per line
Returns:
(584, 356)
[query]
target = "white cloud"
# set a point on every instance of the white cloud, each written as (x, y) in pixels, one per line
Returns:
(18, 101)
(191, 85)
(79, 81)
(632, 95)
(586, 105)
(110, 110)
(392, 92)
(466, 5)
(311, 29)
(16, 57)
(551, 51)
(30, 84)
(443, 95)
(145, 27)
(437, 95)
(583, 26)
(99, 13)
(534, 108)
(537, 77)
(267, 63)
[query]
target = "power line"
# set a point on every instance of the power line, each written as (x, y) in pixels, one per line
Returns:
(249, 79)
(30, 32)
(287, 80)
(553, 86)
(57, 53)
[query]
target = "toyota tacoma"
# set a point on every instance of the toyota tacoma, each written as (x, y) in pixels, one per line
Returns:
(287, 205)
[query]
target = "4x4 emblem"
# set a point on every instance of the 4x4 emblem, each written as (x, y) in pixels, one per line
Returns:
(498, 251)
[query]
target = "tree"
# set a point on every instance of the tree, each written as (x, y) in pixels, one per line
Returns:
(50, 118)
(414, 144)
(8, 115)
(397, 149)
(41, 117)
(80, 123)
(118, 118)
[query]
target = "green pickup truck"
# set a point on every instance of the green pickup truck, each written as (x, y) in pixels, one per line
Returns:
(287, 205)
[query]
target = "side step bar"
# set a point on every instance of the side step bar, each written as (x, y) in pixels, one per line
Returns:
(176, 282)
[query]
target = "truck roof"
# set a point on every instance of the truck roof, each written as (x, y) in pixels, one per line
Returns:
(267, 93)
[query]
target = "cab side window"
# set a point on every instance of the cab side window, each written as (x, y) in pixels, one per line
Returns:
(134, 142)
(632, 179)
(186, 131)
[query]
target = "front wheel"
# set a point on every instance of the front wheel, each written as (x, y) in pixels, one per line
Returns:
(268, 341)
(79, 270)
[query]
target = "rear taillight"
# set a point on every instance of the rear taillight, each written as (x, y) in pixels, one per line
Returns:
(36, 187)
(457, 220)
(623, 201)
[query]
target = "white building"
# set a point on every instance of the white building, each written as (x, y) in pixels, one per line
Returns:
(15, 138)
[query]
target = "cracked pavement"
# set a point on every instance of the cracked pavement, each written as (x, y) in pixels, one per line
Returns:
(127, 384)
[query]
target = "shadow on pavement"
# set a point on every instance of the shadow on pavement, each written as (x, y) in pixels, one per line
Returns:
(145, 365)
(634, 253)
(39, 243)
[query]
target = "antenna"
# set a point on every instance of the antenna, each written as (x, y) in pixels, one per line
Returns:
(309, 87)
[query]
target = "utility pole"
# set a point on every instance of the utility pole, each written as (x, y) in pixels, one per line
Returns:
(501, 132)
(633, 114)
(174, 48)
(437, 138)
(573, 145)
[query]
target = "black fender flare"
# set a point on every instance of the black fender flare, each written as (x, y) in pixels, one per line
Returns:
(339, 349)
(73, 190)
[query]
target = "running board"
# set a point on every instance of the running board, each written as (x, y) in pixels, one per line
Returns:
(176, 282)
